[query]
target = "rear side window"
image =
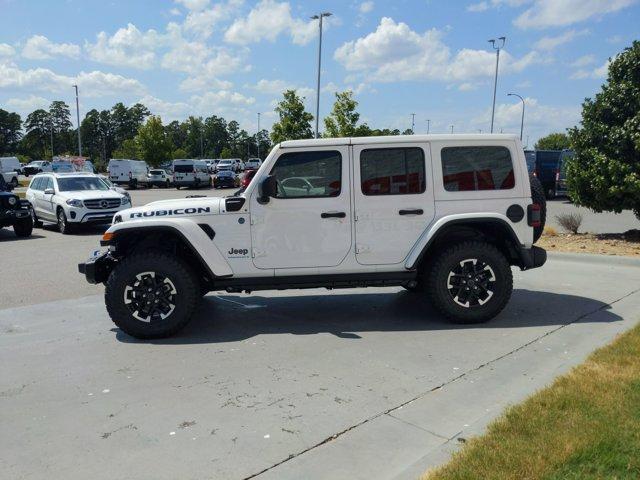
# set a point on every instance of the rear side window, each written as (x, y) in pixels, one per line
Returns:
(392, 171)
(35, 184)
(477, 168)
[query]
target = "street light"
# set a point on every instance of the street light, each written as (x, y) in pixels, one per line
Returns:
(522, 120)
(501, 42)
(428, 125)
(319, 17)
(78, 117)
(451, 128)
(413, 123)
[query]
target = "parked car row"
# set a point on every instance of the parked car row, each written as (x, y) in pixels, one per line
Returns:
(549, 166)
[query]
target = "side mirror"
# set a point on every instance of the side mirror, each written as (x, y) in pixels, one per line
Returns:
(268, 188)
(49, 191)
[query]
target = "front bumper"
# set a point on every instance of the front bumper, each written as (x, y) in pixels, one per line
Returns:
(8, 216)
(97, 268)
(533, 257)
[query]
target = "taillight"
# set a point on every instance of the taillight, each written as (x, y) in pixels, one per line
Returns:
(533, 215)
(557, 175)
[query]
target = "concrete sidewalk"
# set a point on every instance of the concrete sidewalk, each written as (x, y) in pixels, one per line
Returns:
(364, 383)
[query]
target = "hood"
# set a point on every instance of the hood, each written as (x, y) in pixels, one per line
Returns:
(176, 208)
(91, 194)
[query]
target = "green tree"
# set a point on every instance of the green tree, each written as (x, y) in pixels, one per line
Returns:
(128, 149)
(604, 173)
(10, 132)
(37, 139)
(343, 120)
(294, 121)
(61, 123)
(126, 121)
(178, 153)
(553, 141)
(152, 142)
(98, 136)
(194, 142)
(215, 136)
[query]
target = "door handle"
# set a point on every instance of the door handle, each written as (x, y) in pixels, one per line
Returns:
(333, 215)
(414, 211)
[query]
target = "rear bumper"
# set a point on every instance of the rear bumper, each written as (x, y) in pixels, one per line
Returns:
(97, 268)
(533, 257)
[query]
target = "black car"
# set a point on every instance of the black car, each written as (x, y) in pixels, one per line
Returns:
(225, 178)
(14, 212)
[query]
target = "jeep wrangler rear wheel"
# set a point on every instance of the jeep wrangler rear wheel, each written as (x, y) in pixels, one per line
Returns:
(470, 282)
(151, 295)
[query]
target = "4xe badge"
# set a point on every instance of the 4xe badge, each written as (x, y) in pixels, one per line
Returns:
(238, 252)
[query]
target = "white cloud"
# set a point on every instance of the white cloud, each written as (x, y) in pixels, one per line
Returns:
(366, 7)
(467, 86)
(550, 43)
(202, 22)
(200, 83)
(478, 7)
(394, 52)
(220, 101)
(266, 21)
(583, 61)
(538, 121)
(558, 13)
(6, 50)
(195, 5)
(276, 87)
(168, 111)
(614, 39)
(175, 12)
(40, 47)
(128, 47)
(597, 73)
(28, 104)
(93, 84)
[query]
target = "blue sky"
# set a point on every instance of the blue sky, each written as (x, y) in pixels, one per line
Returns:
(233, 58)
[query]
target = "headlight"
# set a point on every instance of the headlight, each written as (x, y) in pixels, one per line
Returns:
(75, 203)
(125, 200)
(12, 201)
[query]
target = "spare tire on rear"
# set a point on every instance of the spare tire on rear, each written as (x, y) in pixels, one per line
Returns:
(537, 196)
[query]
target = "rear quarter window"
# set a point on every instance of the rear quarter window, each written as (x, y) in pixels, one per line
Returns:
(474, 168)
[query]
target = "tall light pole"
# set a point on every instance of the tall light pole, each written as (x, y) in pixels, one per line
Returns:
(413, 123)
(428, 125)
(319, 17)
(496, 46)
(451, 128)
(522, 119)
(258, 135)
(51, 130)
(78, 118)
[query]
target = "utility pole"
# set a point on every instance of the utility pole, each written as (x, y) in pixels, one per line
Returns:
(451, 128)
(201, 142)
(522, 119)
(500, 44)
(258, 135)
(78, 118)
(428, 125)
(413, 124)
(319, 17)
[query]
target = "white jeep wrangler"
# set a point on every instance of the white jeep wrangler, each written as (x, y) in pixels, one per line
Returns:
(443, 215)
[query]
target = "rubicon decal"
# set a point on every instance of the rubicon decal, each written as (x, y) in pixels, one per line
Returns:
(166, 213)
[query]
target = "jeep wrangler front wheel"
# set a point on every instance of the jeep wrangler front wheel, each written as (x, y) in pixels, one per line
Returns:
(151, 295)
(470, 282)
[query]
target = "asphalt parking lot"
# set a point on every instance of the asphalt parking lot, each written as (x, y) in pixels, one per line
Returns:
(363, 383)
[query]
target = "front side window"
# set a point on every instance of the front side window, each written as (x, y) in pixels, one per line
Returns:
(184, 168)
(467, 169)
(392, 171)
(308, 174)
(47, 183)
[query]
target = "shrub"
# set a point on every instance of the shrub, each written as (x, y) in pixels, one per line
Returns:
(570, 221)
(549, 231)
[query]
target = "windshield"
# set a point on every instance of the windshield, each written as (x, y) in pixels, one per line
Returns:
(225, 174)
(225, 162)
(156, 172)
(183, 168)
(74, 184)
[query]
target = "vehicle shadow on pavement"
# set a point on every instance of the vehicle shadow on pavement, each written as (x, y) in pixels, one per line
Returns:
(82, 230)
(7, 235)
(231, 318)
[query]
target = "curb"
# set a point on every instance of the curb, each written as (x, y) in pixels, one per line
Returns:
(595, 258)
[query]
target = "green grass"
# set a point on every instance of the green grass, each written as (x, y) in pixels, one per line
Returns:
(585, 426)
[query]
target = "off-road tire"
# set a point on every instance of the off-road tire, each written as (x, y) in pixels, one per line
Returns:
(34, 219)
(437, 279)
(537, 196)
(187, 296)
(14, 182)
(63, 223)
(23, 227)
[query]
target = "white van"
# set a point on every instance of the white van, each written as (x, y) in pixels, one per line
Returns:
(9, 164)
(128, 172)
(191, 173)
